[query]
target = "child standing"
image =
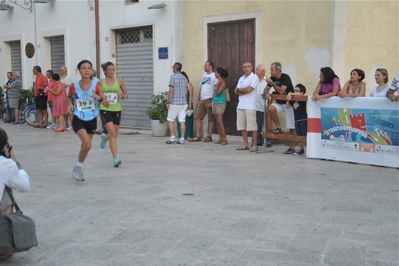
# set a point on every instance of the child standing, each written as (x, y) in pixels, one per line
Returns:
(300, 114)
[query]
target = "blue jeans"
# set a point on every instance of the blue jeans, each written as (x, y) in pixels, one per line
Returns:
(301, 128)
(10, 113)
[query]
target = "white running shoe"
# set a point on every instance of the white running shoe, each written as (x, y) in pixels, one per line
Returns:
(77, 173)
(69, 128)
(50, 126)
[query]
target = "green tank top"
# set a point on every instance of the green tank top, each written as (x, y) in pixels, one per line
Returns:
(221, 99)
(111, 94)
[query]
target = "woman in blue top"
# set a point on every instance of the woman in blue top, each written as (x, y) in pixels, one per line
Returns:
(87, 97)
(219, 103)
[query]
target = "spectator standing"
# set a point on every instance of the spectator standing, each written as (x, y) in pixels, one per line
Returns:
(10, 113)
(14, 93)
(189, 120)
(282, 85)
(67, 80)
(328, 85)
(381, 77)
(260, 71)
(246, 108)
(204, 103)
(219, 103)
(301, 116)
(41, 83)
(60, 104)
(50, 97)
(177, 103)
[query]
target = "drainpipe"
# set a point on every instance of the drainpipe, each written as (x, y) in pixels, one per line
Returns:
(97, 22)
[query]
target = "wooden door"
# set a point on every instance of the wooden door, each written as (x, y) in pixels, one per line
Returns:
(230, 44)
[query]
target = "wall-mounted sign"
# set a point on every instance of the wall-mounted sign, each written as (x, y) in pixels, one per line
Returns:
(29, 50)
(162, 52)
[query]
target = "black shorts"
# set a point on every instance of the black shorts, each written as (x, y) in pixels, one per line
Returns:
(114, 117)
(78, 124)
(41, 103)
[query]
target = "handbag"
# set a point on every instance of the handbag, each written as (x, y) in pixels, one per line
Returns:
(227, 95)
(17, 231)
(41, 93)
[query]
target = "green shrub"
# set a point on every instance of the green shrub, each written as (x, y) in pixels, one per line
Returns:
(26, 94)
(158, 111)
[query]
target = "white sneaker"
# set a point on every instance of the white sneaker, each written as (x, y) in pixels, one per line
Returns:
(50, 126)
(77, 173)
(68, 128)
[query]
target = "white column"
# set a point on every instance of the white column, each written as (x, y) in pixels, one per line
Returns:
(338, 38)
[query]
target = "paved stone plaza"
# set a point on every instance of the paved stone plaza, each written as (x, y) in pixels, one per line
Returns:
(201, 204)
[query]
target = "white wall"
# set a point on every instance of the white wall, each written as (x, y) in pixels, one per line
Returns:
(73, 19)
(167, 32)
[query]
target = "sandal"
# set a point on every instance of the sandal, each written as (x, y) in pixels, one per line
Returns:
(224, 142)
(218, 142)
(277, 131)
(254, 149)
(242, 148)
(194, 139)
(207, 139)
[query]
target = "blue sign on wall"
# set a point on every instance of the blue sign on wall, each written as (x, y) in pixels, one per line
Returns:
(162, 52)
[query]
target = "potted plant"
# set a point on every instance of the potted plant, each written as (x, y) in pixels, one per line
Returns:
(158, 113)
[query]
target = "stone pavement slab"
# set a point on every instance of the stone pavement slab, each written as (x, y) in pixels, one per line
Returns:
(201, 204)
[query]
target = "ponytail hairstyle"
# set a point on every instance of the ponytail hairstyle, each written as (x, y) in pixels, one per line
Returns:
(105, 65)
(223, 72)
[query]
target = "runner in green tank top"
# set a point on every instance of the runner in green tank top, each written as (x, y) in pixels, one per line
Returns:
(115, 91)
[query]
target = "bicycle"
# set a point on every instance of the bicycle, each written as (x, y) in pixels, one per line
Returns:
(30, 113)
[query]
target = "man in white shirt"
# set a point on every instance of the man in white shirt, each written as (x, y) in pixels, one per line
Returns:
(246, 108)
(67, 80)
(204, 103)
(392, 88)
(260, 71)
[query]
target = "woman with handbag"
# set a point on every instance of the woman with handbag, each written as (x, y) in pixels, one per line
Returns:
(219, 103)
(11, 175)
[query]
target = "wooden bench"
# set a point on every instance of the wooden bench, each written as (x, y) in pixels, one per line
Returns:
(269, 132)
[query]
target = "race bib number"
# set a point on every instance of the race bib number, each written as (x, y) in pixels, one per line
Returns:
(85, 105)
(112, 98)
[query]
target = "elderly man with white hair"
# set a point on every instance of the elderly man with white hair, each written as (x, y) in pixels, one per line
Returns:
(14, 89)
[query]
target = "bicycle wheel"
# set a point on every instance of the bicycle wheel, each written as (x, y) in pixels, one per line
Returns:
(30, 116)
(22, 114)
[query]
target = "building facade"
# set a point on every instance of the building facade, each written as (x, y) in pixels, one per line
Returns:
(142, 38)
(303, 35)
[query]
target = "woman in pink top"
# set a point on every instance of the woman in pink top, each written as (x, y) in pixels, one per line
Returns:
(328, 86)
(355, 87)
(60, 104)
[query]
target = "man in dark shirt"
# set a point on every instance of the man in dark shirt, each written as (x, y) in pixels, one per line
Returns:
(282, 84)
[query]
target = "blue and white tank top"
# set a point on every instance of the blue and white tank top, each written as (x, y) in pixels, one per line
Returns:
(86, 108)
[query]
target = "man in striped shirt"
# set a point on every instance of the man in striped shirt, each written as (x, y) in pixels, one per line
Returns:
(177, 103)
